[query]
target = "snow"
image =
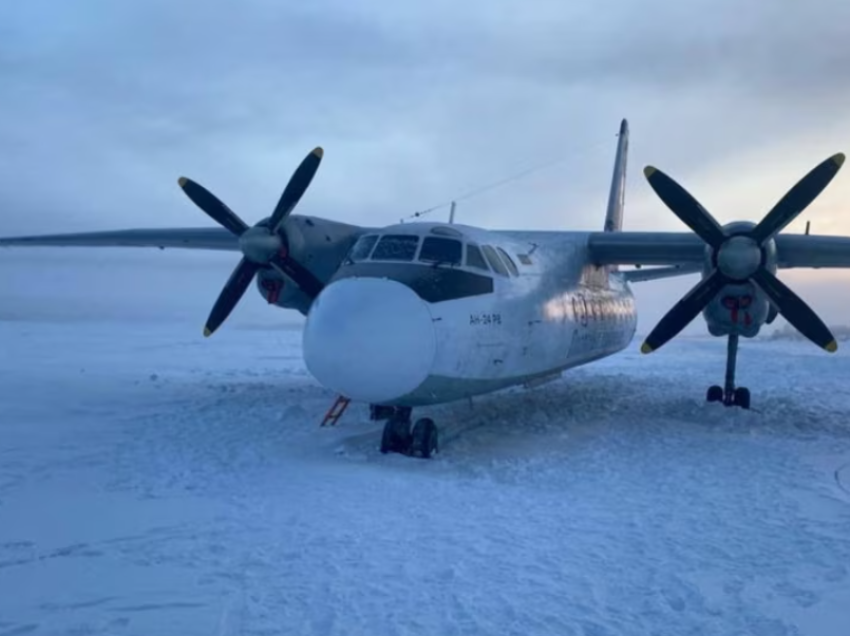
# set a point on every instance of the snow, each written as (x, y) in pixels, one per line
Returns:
(156, 482)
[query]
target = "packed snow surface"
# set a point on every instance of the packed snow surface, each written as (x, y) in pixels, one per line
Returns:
(156, 482)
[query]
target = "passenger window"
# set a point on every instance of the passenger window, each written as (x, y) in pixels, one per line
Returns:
(441, 250)
(509, 262)
(494, 260)
(396, 247)
(362, 248)
(474, 258)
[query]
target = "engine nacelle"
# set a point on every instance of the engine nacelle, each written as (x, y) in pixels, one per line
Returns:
(740, 308)
(317, 244)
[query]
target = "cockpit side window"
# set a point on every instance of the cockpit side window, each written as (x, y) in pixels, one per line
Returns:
(362, 248)
(474, 258)
(508, 261)
(441, 250)
(396, 247)
(494, 260)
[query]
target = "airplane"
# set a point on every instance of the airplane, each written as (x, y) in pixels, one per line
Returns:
(418, 314)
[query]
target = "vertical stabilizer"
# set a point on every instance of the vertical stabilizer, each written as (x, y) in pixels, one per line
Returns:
(617, 196)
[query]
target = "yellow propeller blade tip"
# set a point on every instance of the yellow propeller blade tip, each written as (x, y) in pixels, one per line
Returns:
(832, 347)
(207, 332)
(838, 159)
(645, 348)
(319, 152)
(182, 181)
(649, 171)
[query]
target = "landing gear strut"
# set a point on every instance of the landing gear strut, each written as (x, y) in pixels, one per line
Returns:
(400, 436)
(729, 394)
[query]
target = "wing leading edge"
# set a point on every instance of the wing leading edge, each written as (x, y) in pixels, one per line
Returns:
(200, 238)
(684, 249)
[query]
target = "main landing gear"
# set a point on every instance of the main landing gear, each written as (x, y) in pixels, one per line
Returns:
(729, 394)
(419, 439)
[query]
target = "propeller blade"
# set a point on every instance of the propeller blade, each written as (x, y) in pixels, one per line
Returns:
(300, 275)
(296, 187)
(684, 311)
(795, 310)
(214, 207)
(230, 295)
(685, 206)
(798, 198)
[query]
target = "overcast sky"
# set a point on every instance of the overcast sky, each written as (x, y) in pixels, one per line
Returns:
(104, 104)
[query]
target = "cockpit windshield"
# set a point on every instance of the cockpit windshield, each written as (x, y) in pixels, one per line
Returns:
(474, 258)
(396, 247)
(441, 251)
(362, 248)
(448, 249)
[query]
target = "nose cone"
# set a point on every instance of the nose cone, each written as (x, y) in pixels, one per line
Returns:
(369, 339)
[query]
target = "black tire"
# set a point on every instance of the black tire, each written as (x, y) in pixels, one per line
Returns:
(742, 397)
(387, 439)
(714, 394)
(425, 441)
(396, 437)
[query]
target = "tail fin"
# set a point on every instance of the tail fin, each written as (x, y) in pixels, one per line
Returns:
(617, 196)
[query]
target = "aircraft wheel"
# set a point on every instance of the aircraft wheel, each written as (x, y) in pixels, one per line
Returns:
(714, 394)
(396, 437)
(425, 441)
(742, 397)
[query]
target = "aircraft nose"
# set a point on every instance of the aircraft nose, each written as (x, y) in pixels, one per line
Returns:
(369, 339)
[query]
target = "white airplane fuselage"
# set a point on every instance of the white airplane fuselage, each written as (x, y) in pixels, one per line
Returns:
(382, 331)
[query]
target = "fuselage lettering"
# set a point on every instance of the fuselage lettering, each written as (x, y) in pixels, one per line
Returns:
(485, 319)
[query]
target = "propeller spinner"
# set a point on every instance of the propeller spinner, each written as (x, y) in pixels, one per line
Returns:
(263, 245)
(741, 257)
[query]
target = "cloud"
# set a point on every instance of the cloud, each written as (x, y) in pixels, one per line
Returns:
(414, 102)
(105, 104)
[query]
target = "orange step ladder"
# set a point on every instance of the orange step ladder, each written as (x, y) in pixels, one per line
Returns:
(336, 411)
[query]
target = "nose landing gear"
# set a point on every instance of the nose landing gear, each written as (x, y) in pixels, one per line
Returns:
(730, 395)
(419, 439)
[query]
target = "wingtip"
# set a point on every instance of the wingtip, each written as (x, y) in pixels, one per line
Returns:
(207, 332)
(649, 171)
(832, 347)
(319, 152)
(645, 348)
(182, 181)
(838, 159)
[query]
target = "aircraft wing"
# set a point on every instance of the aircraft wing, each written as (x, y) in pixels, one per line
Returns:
(645, 248)
(684, 248)
(805, 250)
(657, 273)
(201, 238)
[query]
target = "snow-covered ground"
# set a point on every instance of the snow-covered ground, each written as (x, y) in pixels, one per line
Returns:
(156, 482)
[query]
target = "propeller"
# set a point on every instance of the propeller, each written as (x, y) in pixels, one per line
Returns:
(742, 256)
(264, 245)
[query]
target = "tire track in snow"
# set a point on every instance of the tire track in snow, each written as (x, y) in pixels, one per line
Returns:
(842, 479)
